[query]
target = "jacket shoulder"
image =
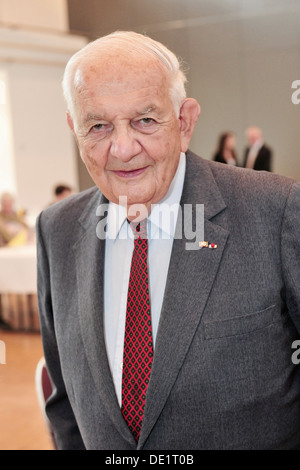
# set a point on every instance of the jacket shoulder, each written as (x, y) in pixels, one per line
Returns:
(241, 186)
(239, 178)
(63, 215)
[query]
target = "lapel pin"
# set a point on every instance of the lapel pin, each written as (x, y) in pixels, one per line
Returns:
(207, 245)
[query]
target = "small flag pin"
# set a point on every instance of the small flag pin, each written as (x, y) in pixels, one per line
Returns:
(207, 245)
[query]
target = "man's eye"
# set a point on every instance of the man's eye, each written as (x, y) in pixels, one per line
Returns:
(98, 127)
(145, 124)
(147, 121)
(103, 128)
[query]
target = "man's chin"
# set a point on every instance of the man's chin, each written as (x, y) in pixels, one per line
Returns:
(135, 205)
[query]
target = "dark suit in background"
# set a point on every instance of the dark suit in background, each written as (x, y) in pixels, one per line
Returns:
(258, 156)
(263, 160)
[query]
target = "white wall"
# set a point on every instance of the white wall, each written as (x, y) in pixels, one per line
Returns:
(33, 61)
(51, 14)
(7, 170)
(43, 145)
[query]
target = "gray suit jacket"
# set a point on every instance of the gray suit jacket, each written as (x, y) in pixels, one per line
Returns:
(222, 375)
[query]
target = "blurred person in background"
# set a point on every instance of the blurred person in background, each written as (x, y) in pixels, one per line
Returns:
(13, 227)
(61, 191)
(226, 152)
(258, 156)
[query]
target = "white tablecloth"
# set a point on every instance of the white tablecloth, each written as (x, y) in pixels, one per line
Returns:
(18, 269)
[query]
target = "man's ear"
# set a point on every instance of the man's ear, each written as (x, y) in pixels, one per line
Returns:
(189, 113)
(72, 126)
(70, 122)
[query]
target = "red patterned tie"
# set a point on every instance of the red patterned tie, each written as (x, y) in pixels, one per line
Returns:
(138, 346)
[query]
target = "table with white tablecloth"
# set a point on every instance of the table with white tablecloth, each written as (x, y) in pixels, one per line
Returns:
(18, 277)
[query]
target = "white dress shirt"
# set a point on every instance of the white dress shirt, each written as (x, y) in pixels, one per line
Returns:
(253, 152)
(118, 252)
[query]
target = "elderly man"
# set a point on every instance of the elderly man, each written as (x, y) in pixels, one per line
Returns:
(151, 344)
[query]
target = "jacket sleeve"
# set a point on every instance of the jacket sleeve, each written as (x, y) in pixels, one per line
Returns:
(66, 433)
(290, 253)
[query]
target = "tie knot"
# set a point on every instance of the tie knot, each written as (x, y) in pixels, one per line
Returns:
(139, 229)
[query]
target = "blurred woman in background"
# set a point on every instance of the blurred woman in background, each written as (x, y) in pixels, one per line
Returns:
(225, 152)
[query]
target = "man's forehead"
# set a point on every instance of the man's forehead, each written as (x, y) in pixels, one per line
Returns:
(118, 73)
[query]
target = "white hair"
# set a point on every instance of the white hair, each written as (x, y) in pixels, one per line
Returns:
(133, 43)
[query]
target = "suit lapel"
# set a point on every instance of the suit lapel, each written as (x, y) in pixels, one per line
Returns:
(191, 276)
(89, 254)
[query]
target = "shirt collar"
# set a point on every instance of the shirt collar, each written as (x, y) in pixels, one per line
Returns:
(116, 220)
(163, 215)
(258, 144)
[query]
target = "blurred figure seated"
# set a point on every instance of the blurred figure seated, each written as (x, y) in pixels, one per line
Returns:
(13, 228)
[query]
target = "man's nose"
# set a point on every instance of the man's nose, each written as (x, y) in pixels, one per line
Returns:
(124, 144)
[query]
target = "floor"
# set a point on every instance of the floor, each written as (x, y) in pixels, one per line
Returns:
(22, 426)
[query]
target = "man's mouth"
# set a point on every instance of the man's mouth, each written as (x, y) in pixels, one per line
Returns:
(130, 173)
